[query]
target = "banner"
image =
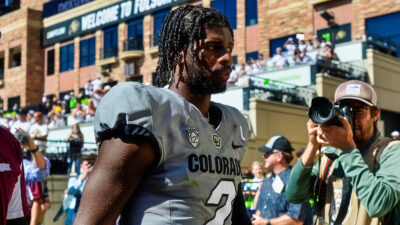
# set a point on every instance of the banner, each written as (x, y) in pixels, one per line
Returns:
(103, 17)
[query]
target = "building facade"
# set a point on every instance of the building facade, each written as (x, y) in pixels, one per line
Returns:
(21, 58)
(116, 40)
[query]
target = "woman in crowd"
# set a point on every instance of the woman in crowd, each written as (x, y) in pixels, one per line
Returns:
(76, 141)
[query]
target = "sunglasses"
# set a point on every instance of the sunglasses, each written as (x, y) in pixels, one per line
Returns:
(269, 153)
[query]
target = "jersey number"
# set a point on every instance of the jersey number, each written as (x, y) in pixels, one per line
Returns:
(225, 187)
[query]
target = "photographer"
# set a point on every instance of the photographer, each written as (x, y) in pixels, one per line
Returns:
(73, 193)
(357, 178)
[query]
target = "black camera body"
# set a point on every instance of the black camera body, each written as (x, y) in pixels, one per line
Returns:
(322, 111)
(22, 138)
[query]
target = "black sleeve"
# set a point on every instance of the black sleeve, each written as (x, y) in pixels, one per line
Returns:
(239, 214)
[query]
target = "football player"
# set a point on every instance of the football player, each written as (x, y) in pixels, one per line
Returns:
(170, 155)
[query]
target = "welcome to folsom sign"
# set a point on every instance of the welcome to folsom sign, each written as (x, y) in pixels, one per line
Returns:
(100, 18)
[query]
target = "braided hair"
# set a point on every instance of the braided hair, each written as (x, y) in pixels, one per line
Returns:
(182, 28)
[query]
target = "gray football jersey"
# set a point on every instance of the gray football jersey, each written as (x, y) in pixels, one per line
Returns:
(196, 179)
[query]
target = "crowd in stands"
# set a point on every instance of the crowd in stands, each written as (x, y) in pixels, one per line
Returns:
(56, 111)
(290, 54)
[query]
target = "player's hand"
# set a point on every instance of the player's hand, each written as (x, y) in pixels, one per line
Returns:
(257, 220)
(338, 137)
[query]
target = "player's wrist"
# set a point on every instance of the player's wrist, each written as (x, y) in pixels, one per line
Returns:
(268, 221)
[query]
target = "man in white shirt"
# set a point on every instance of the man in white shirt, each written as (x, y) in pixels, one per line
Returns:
(290, 46)
(96, 84)
(88, 88)
(233, 78)
(22, 122)
(279, 60)
(39, 131)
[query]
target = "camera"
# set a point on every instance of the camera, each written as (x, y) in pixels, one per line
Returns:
(22, 138)
(322, 111)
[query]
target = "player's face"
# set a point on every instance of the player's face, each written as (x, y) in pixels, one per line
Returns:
(212, 62)
(364, 120)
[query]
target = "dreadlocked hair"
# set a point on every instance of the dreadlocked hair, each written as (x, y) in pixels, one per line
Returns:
(182, 28)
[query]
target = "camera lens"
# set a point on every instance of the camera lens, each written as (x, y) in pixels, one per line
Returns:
(321, 110)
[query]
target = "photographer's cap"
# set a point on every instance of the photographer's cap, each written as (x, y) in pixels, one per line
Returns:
(358, 90)
(277, 142)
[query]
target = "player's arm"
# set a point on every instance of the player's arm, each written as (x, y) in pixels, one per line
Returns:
(117, 173)
(239, 214)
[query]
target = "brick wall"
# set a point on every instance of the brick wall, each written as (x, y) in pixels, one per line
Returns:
(21, 30)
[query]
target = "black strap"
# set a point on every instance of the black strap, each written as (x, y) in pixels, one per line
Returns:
(344, 204)
(319, 196)
(320, 193)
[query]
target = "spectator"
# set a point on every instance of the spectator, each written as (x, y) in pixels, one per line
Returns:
(310, 45)
(302, 45)
(88, 88)
(72, 100)
(323, 43)
(325, 57)
(3, 121)
(57, 106)
(272, 207)
(395, 135)
(279, 61)
(56, 121)
(39, 131)
(254, 67)
(233, 78)
(251, 186)
(304, 57)
(9, 120)
(97, 83)
(249, 68)
(242, 70)
(332, 54)
(13, 120)
(76, 140)
(324, 53)
(76, 184)
(262, 62)
(289, 46)
(97, 95)
(22, 122)
(29, 117)
(78, 113)
(64, 109)
(316, 43)
(297, 57)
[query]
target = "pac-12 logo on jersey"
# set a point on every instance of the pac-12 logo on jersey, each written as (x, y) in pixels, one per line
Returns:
(216, 140)
(192, 135)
